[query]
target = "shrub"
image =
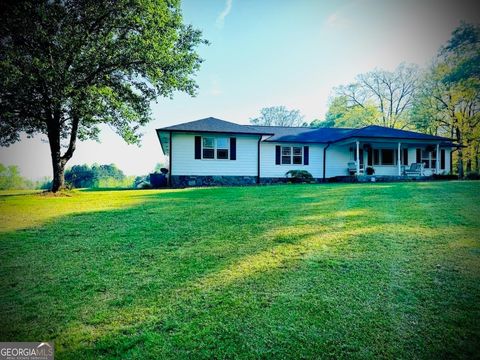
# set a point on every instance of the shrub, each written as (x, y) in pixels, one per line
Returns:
(445, 177)
(299, 176)
(370, 170)
(472, 176)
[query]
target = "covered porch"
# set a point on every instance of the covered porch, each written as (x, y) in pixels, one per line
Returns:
(397, 157)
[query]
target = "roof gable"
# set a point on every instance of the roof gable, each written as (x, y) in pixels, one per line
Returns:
(215, 125)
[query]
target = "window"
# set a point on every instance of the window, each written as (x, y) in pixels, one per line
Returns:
(297, 155)
(208, 148)
(388, 156)
(384, 157)
(286, 155)
(222, 148)
(215, 148)
(292, 155)
(429, 159)
(376, 157)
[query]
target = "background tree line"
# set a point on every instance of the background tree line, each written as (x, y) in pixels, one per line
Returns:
(443, 99)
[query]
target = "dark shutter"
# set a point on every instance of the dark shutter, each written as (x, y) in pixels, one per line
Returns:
(405, 157)
(198, 147)
(277, 154)
(419, 155)
(305, 155)
(233, 148)
(442, 159)
(370, 156)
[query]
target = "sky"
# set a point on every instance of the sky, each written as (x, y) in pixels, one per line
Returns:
(267, 53)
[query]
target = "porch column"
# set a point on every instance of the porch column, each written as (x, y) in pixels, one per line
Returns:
(437, 158)
(399, 162)
(358, 157)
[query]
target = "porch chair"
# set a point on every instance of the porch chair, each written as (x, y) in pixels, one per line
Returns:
(352, 168)
(416, 169)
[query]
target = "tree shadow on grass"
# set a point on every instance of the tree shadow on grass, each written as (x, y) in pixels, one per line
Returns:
(216, 274)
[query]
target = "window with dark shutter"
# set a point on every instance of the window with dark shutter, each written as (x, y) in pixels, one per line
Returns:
(198, 147)
(278, 150)
(419, 155)
(233, 148)
(305, 155)
(442, 158)
(405, 157)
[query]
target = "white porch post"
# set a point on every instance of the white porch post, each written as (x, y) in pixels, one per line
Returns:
(399, 163)
(358, 157)
(437, 157)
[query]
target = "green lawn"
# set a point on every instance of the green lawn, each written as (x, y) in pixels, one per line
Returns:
(307, 271)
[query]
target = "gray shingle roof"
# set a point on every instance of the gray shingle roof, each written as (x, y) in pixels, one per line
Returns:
(304, 134)
(215, 125)
(300, 134)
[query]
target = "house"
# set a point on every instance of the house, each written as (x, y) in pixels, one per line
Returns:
(211, 151)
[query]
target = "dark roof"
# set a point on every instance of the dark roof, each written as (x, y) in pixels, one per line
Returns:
(299, 134)
(389, 133)
(304, 134)
(214, 125)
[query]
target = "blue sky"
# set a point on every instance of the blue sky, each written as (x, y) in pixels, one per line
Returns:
(266, 53)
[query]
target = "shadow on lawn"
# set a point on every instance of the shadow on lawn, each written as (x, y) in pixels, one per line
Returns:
(290, 274)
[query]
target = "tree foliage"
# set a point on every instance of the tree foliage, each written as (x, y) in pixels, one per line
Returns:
(378, 97)
(278, 116)
(448, 102)
(68, 66)
(95, 176)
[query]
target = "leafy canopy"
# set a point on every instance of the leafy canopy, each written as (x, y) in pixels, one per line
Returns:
(90, 61)
(278, 116)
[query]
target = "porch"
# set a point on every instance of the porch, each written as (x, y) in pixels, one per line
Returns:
(396, 158)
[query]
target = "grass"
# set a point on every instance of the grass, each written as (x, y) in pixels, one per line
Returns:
(304, 271)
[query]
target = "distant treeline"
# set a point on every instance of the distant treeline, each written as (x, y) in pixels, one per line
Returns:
(78, 176)
(10, 178)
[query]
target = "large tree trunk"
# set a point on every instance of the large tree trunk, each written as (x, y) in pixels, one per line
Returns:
(58, 175)
(59, 161)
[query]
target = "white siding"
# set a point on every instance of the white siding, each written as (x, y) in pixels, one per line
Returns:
(269, 169)
(184, 162)
(338, 157)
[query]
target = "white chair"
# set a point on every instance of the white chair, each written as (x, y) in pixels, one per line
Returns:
(352, 168)
(416, 169)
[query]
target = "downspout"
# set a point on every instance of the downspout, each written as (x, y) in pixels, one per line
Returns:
(170, 161)
(258, 160)
(325, 159)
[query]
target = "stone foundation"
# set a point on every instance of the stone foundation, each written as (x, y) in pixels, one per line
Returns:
(378, 178)
(179, 181)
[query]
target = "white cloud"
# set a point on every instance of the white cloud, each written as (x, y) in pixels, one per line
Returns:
(221, 17)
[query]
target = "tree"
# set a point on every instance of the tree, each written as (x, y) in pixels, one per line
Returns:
(379, 92)
(464, 48)
(10, 178)
(68, 66)
(84, 176)
(343, 113)
(278, 116)
(317, 123)
(449, 104)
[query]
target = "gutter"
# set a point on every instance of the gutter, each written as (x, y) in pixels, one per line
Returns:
(325, 159)
(258, 160)
(170, 161)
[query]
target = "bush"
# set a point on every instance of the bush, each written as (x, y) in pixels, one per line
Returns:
(472, 176)
(370, 170)
(445, 177)
(299, 176)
